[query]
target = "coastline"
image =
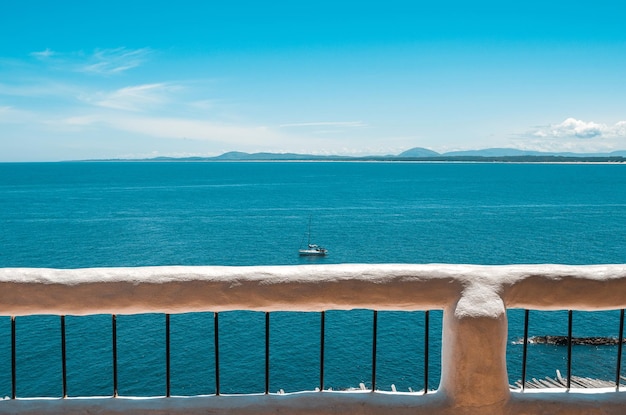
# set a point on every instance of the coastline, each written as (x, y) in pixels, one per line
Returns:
(385, 159)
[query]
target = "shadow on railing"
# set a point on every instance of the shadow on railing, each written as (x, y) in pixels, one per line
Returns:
(473, 356)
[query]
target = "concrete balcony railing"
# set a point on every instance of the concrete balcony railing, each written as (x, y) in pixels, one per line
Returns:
(474, 300)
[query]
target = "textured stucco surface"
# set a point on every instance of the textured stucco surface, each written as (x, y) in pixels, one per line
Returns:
(474, 299)
(310, 288)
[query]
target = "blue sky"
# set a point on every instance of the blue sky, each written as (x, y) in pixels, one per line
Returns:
(134, 79)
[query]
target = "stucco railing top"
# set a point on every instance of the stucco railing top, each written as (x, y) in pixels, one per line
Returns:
(474, 334)
(172, 289)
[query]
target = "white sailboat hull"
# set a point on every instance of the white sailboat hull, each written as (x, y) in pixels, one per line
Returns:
(313, 250)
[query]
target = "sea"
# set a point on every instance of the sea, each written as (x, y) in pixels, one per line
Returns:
(129, 214)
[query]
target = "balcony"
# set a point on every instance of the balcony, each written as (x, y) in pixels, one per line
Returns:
(474, 300)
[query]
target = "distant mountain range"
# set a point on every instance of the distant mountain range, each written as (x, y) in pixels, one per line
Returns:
(423, 154)
(503, 152)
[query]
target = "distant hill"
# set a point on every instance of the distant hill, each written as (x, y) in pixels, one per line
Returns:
(495, 152)
(419, 152)
(416, 154)
(621, 153)
(510, 152)
(238, 155)
(424, 154)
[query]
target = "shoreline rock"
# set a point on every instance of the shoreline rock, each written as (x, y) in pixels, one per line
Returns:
(588, 341)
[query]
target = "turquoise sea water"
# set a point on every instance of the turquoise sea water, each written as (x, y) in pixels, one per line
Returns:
(75, 215)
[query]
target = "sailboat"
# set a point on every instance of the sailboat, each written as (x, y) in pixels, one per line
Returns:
(312, 249)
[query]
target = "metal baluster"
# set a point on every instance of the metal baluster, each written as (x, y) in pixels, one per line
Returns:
(620, 345)
(322, 330)
(63, 357)
(114, 346)
(569, 349)
(374, 336)
(525, 348)
(217, 352)
(13, 360)
(426, 348)
(167, 356)
(267, 353)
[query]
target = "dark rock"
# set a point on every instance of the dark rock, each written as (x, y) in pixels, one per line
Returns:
(589, 341)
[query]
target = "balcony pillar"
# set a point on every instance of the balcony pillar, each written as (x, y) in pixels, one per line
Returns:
(474, 377)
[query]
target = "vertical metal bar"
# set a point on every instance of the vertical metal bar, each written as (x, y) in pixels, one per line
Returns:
(569, 348)
(167, 356)
(426, 348)
(374, 337)
(216, 342)
(322, 340)
(620, 345)
(267, 353)
(13, 360)
(525, 348)
(114, 346)
(63, 357)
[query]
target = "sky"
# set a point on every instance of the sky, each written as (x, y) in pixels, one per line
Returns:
(139, 79)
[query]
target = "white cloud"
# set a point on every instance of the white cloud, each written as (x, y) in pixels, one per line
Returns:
(574, 135)
(191, 129)
(325, 123)
(100, 62)
(44, 54)
(134, 98)
(78, 121)
(38, 89)
(203, 105)
(172, 128)
(5, 110)
(320, 128)
(573, 128)
(620, 129)
(114, 61)
(11, 115)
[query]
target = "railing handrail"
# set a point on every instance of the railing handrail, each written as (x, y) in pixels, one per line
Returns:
(474, 299)
(175, 289)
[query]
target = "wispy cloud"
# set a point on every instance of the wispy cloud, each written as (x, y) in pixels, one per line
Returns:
(573, 128)
(40, 88)
(193, 129)
(44, 54)
(134, 98)
(104, 62)
(325, 124)
(114, 61)
(171, 128)
(11, 115)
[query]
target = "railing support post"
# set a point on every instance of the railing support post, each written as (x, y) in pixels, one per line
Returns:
(474, 352)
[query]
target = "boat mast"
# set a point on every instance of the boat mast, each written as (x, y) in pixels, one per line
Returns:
(309, 241)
